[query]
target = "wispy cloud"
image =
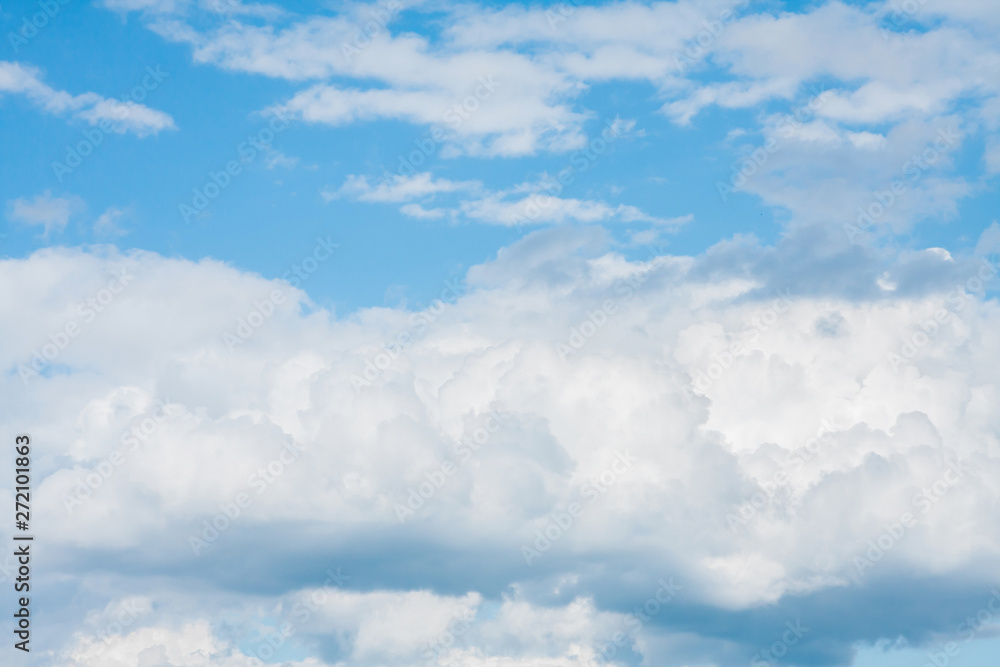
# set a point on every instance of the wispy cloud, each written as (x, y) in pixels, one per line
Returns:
(524, 204)
(50, 212)
(121, 116)
(397, 188)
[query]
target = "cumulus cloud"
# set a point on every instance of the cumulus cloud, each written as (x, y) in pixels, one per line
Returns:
(192, 645)
(374, 628)
(120, 116)
(572, 429)
(801, 435)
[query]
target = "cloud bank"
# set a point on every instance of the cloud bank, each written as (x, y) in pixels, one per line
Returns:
(575, 435)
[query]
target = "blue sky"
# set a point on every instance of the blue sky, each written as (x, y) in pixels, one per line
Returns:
(608, 227)
(667, 170)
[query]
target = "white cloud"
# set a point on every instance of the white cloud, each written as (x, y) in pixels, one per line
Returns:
(224, 8)
(524, 204)
(93, 108)
(374, 628)
(852, 167)
(888, 91)
(732, 95)
(655, 372)
(399, 188)
(278, 159)
(154, 6)
(714, 382)
(52, 213)
(109, 222)
(992, 156)
(503, 209)
(192, 645)
(499, 103)
(542, 60)
(910, 75)
(989, 240)
(418, 211)
(977, 14)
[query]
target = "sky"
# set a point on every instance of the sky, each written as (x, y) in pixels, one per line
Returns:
(503, 335)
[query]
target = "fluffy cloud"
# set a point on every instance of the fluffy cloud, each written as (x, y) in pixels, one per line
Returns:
(493, 104)
(192, 645)
(545, 57)
(375, 628)
(573, 429)
(477, 86)
(803, 436)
